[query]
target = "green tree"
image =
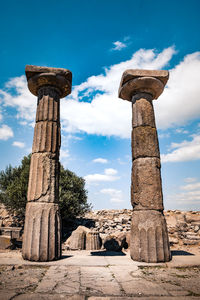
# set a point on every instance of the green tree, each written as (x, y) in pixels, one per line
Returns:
(14, 186)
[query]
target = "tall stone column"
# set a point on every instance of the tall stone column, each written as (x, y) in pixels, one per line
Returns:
(42, 231)
(149, 236)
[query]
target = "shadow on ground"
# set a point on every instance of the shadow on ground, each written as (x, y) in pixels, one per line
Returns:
(180, 253)
(65, 256)
(107, 253)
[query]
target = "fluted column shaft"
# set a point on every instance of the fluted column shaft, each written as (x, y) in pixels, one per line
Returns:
(44, 169)
(149, 237)
(42, 231)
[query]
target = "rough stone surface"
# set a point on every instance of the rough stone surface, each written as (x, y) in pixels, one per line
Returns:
(148, 81)
(78, 238)
(145, 142)
(148, 85)
(115, 242)
(46, 137)
(5, 242)
(149, 237)
(117, 223)
(149, 242)
(143, 113)
(93, 241)
(43, 76)
(42, 231)
(129, 74)
(8, 218)
(83, 238)
(146, 189)
(43, 178)
(48, 108)
(98, 275)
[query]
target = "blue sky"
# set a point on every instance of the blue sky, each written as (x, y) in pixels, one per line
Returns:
(97, 41)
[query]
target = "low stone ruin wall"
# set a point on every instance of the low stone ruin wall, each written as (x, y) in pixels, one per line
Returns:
(114, 226)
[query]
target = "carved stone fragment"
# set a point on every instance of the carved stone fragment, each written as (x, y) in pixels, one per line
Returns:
(93, 241)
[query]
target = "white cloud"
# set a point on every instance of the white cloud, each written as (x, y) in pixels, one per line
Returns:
(191, 194)
(5, 132)
(17, 95)
(110, 171)
(18, 144)
(189, 198)
(105, 114)
(118, 46)
(109, 175)
(191, 186)
(184, 151)
(179, 102)
(116, 195)
(100, 160)
(181, 130)
(116, 200)
(64, 153)
(190, 179)
(163, 135)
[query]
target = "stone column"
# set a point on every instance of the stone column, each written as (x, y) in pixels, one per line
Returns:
(149, 236)
(42, 231)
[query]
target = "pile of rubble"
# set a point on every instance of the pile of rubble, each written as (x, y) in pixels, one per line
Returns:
(110, 229)
(114, 228)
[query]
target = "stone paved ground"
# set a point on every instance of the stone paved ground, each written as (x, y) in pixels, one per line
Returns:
(85, 275)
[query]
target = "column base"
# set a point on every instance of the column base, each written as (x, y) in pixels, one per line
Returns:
(149, 237)
(42, 232)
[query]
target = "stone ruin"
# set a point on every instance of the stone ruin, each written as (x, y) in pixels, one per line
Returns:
(149, 236)
(42, 233)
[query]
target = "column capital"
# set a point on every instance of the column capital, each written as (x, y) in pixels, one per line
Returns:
(142, 81)
(38, 77)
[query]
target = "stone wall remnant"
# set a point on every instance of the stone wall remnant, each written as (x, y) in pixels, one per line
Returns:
(149, 236)
(42, 231)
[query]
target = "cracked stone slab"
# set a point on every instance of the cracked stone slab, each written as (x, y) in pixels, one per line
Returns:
(70, 284)
(142, 298)
(38, 296)
(99, 281)
(60, 279)
(7, 295)
(133, 284)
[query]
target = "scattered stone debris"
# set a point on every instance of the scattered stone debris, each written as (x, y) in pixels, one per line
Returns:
(183, 228)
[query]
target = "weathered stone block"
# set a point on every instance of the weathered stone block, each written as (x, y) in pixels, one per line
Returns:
(93, 241)
(146, 189)
(143, 113)
(48, 109)
(46, 137)
(149, 237)
(5, 242)
(77, 239)
(146, 81)
(44, 76)
(145, 142)
(43, 182)
(42, 232)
